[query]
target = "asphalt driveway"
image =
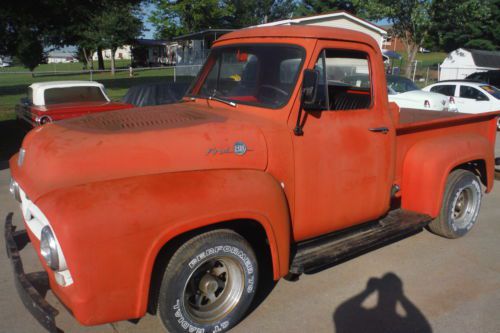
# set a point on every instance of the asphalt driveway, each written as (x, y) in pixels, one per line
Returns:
(421, 284)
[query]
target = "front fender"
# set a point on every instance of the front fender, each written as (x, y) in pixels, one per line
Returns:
(427, 165)
(111, 232)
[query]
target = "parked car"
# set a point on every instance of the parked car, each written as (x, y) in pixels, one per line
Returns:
(406, 94)
(492, 77)
(156, 93)
(469, 96)
(56, 100)
(268, 165)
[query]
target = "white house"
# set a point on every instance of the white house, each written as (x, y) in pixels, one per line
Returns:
(123, 52)
(57, 57)
(462, 62)
(338, 19)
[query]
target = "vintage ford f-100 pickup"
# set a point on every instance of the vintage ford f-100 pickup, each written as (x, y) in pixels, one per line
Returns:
(271, 163)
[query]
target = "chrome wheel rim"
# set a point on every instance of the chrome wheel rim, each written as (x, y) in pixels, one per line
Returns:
(464, 205)
(214, 289)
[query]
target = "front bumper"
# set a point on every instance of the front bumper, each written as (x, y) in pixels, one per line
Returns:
(32, 286)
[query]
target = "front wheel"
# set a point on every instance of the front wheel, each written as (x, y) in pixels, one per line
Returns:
(461, 204)
(209, 283)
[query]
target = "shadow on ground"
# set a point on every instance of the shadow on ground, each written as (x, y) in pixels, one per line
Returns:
(11, 137)
(393, 311)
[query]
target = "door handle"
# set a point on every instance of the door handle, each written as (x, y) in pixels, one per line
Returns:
(383, 130)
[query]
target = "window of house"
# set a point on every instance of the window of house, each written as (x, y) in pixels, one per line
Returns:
(345, 80)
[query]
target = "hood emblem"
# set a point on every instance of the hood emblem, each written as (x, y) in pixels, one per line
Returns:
(239, 148)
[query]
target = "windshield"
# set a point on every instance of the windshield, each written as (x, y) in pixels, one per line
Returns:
(492, 91)
(401, 84)
(261, 75)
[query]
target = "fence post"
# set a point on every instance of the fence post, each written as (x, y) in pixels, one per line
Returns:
(174, 75)
(427, 76)
(415, 70)
(91, 74)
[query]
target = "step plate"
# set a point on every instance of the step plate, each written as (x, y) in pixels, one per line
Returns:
(326, 251)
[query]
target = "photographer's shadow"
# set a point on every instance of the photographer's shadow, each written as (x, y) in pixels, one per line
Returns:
(386, 316)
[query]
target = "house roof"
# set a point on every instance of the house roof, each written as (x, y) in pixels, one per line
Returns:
(331, 15)
(485, 58)
(59, 54)
(150, 42)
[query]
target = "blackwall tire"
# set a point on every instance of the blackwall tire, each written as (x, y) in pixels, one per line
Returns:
(208, 284)
(460, 207)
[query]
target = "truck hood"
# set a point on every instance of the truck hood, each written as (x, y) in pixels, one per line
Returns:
(134, 142)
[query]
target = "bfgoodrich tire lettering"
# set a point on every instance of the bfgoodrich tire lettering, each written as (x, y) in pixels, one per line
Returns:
(461, 205)
(209, 283)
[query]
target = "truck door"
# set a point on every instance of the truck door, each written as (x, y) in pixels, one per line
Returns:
(344, 162)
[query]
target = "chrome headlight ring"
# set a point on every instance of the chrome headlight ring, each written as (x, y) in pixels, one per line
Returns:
(14, 189)
(49, 248)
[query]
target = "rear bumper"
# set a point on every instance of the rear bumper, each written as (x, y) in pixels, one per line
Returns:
(32, 286)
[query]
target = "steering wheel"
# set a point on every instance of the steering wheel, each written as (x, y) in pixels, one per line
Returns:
(276, 89)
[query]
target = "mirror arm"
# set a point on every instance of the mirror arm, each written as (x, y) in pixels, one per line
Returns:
(298, 129)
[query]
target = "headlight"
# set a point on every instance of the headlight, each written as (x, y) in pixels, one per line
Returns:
(14, 189)
(48, 248)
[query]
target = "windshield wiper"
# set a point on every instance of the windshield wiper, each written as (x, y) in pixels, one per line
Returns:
(215, 98)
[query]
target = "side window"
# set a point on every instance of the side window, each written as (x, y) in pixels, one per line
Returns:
(448, 90)
(472, 93)
(345, 80)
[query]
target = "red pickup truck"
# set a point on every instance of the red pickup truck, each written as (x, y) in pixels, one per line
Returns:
(271, 163)
(57, 100)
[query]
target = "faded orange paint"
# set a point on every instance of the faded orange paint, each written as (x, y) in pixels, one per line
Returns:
(117, 186)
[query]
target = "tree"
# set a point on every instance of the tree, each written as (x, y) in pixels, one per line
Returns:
(411, 21)
(30, 50)
(467, 23)
(311, 7)
(118, 25)
(175, 17)
(28, 27)
(172, 18)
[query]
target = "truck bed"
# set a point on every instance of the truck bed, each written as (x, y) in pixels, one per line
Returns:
(421, 119)
(416, 126)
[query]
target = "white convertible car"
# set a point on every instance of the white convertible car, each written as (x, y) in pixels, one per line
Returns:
(406, 94)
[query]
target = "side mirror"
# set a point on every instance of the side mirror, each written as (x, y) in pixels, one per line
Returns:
(309, 90)
(310, 86)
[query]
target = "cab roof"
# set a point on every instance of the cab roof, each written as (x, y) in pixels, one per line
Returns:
(303, 31)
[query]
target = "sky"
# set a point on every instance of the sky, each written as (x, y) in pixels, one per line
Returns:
(148, 27)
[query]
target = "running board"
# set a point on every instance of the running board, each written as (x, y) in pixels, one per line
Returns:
(326, 251)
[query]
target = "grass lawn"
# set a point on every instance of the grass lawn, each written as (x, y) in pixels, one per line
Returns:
(13, 86)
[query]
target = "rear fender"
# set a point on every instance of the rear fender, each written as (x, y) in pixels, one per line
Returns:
(427, 166)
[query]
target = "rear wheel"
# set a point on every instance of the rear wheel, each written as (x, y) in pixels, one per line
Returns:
(461, 204)
(209, 283)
